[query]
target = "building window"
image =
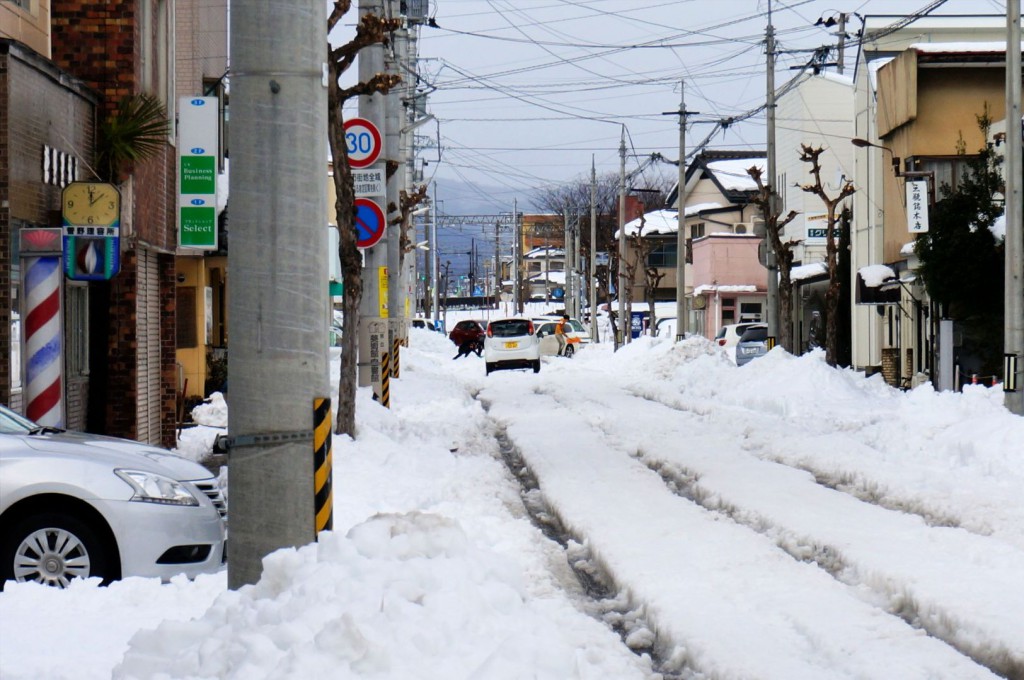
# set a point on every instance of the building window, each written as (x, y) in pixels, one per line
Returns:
(728, 310)
(76, 320)
(185, 314)
(697, 230)
(750, 312)
(664, 255)
(947, 170)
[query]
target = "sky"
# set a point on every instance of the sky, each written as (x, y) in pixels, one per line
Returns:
(651, 513)
(529, 93)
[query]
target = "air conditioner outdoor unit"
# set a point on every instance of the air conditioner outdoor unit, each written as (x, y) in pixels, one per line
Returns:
(740, 228)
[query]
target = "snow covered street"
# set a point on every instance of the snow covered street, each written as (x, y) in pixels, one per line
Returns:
(783, 520)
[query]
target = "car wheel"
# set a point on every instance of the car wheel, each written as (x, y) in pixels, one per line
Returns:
(569, 351)
(488, 367)
(536, 366)
(52, 549)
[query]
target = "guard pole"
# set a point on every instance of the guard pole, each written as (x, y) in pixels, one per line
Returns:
(323, 464)
(277, 310)
(1013, 307)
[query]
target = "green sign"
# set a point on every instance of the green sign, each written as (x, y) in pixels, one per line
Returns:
(198, 227)
(198, 175)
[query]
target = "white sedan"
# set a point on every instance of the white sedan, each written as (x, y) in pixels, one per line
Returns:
(80, 505)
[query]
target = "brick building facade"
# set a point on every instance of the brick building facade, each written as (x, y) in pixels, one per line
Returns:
(46, 121)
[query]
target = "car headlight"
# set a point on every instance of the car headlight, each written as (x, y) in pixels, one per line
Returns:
(151, 487)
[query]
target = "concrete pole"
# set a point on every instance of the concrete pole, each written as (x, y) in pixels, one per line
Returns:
(623, 324)
(278, 302)
(393, 123)
(567, 262)
(1014, 283)
(517, 229)
(592, 285)
(682, 322)
(372, 329)
(577, 270)
(773, 277)
(434, 260)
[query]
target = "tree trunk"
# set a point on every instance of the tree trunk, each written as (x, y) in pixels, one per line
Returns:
(832, 294)
(348, 252)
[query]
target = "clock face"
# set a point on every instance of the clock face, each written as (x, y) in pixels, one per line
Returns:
(91, 204)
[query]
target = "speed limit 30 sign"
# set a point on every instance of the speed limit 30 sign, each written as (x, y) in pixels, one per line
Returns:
(362, 142)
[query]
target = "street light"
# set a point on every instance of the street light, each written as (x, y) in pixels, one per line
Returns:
(863, 143)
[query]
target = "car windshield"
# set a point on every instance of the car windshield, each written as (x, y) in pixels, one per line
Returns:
(510, 328)
(12, 423)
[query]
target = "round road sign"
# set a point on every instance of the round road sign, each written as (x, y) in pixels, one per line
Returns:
(362, 141)
(369, 223)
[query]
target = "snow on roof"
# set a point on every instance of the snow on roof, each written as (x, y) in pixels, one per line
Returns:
(711, 288)
(544, 252)
(807, 271)
(874, 275)
(655, 222)
(731, 173)
(836, 78)
(696, 208)
(961, 47)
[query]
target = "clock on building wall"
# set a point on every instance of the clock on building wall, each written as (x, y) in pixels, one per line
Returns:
(91, 204)
(91, 218)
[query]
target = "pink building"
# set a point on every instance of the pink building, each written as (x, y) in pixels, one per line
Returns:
(729, 283)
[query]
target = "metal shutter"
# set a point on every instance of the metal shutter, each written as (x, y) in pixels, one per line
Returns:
(148, 334)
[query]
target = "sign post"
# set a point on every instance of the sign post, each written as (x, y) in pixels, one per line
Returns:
(197, 172)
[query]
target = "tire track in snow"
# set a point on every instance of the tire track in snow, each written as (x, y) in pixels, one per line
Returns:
(731, 587)
(894, 593)
(606, 601)
(854, 483)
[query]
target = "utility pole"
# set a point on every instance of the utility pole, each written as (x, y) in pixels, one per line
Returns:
(769, 255)
(517, 229)
(393, 59)
(497, 264)
(278, 301)
(592, 282)
(621, 334)
(567, 262)
(434, 261)
(1014, 281)
(577, 273)
(682, 312)
(373, 333)
(841, 56)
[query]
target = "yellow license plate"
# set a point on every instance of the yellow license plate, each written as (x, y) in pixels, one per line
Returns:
(511, 345)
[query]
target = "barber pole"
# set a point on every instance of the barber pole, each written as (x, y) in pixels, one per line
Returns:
(43, 356)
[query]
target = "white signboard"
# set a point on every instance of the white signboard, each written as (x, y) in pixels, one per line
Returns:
(198, 120)
(369, 181)
(917, 206)
(816, 228)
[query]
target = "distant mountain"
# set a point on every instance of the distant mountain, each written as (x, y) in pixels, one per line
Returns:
(463, 198)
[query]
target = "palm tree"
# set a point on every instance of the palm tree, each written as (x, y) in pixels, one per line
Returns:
(135, 132)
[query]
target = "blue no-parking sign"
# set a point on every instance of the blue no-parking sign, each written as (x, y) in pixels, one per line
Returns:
(369, 223)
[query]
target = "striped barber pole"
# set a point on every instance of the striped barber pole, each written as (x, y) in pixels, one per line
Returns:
(43, 391)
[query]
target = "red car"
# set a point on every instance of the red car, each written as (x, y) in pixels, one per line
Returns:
(471, 329)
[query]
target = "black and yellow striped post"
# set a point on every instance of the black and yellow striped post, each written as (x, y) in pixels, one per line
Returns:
(769, 342)
(323, 463)
(395, 370)
(385, 380)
